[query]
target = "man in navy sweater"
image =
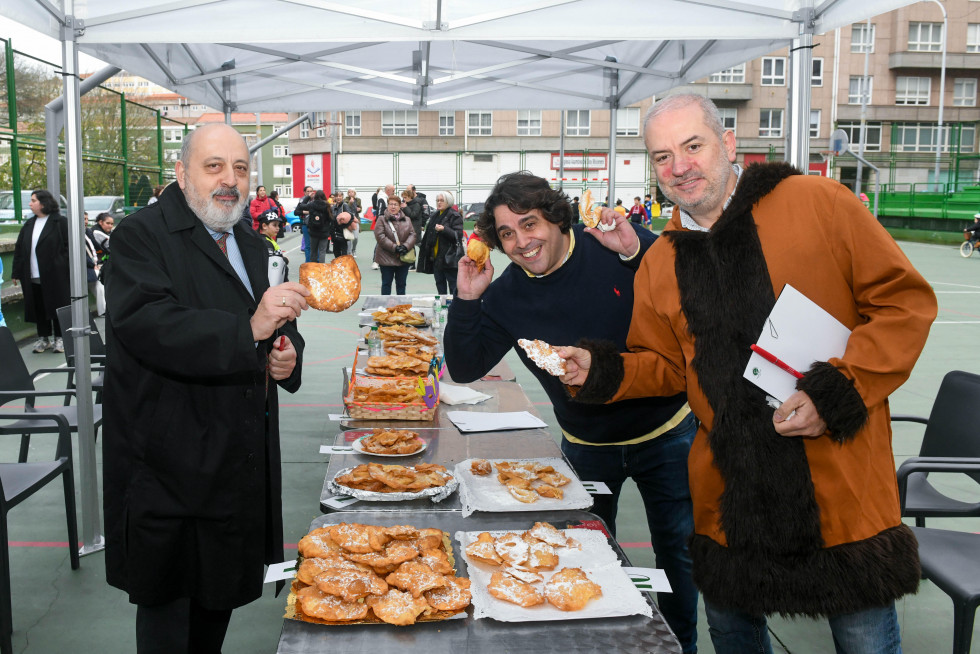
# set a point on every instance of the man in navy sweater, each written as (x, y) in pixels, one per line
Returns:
(563, 286)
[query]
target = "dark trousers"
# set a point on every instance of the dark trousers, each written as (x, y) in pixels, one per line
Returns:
(445, 278)
(182, 626)
(339, 247)
(659, 468)
(399, 274)
(45, 326)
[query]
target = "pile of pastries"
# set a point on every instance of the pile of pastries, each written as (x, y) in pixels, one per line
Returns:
(379, 478)
(526, 481)
(521, 558)
(400, 314)
(397, 391)
(392, 441)
(407, 341)
(365, 573)
(394, 365)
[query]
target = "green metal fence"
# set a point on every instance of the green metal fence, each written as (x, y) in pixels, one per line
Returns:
(122, 141)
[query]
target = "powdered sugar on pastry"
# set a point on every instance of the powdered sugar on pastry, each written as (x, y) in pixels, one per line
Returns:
(544, 356)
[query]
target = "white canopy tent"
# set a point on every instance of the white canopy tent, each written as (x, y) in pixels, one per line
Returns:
(413, 54)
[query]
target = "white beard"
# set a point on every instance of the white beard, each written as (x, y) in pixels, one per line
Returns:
(220, 217)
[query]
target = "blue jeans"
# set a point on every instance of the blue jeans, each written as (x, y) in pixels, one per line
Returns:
(872, 631)
(306, 241)
(399, 274)
(659, 468)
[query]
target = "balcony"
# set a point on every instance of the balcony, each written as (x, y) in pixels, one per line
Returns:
(722, 92)
(933, 60)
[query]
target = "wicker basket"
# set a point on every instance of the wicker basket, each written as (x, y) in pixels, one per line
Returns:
(386, 410)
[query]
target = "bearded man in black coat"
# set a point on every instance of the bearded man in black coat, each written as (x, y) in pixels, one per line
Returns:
(198, 344)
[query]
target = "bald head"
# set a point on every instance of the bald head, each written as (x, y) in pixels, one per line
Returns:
(213, 173)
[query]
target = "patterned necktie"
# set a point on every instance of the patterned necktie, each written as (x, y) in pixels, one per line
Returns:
(222, 243)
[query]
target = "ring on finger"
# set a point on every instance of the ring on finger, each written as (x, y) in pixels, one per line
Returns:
(283, 300)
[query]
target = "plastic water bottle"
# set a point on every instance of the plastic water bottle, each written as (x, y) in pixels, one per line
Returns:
(374, 343)
(436, 316)
(443, 310)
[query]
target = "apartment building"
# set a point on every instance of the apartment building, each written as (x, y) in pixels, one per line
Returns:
(901, 50)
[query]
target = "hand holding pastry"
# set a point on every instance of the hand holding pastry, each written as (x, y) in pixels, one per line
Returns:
(278, 305)
(615, 233)
(471, 282)
(577, 364)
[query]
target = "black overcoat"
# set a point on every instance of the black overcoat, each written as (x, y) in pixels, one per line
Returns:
(52, 263)
(192, 476)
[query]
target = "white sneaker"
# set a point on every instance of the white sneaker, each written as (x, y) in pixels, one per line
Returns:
(59, 345)
(40, 345)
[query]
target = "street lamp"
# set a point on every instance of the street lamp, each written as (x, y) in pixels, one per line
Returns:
(942, 93)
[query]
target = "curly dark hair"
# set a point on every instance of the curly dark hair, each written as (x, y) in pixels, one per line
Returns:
(521, 192)
(48, 204)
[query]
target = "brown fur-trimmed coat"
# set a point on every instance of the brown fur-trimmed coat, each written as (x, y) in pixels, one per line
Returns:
(782, 525)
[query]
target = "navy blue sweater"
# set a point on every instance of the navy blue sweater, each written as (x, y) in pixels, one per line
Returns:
(589, 296)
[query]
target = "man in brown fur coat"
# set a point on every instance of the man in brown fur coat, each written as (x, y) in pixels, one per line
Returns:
(796, 511)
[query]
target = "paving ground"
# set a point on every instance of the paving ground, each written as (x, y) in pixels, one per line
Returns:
(56, 609)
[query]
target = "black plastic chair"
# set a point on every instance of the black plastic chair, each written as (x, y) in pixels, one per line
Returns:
(951, 435)
(16, 383)
(96, 351)
(950, 560)
(18, 481)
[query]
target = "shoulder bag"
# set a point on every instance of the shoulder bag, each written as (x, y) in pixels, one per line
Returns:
(408, 257)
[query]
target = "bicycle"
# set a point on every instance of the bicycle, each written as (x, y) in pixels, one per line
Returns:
(970, 240)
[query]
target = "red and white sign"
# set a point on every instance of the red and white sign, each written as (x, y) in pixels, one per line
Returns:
(579, 161)
(311, 170)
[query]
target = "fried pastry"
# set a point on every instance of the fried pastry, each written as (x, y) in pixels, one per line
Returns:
(401, 314)
(394, 478)
(509, 589)
(544, 490)
(512, 548)
(553, 478)
(393, 441)
(315, 603)
(544, 356)
(310, 568)
(525, 575)
(334, 286)
(359, 539)
(455, 595)
(523, 494)
(478, 251)
(387, 560)
(437, 560)
(317, 544)
(350, 584)
(570, 589)
(397, 607)
(481, 467)
(541, 556)
(416, 578)
(482, 549)
(402, 532)
(428, 539)
(547, 533)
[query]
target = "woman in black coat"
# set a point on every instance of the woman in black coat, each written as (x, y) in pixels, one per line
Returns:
(41, 267)
(319, 225)
(442, 243)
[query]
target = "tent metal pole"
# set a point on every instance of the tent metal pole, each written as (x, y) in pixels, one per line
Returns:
(282, 130)
(801, 54)
(54, 121)
(613, 76)
(561, 154)
(92, 538)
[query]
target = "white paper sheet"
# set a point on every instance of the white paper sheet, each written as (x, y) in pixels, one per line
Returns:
(649, 580)
(799, 332)
(470, 421)
(485, 493)
(452, 394)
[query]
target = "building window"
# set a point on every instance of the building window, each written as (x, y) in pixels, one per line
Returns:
(284, 190)
(352, 123)
(479, 123)
(400, 123)
(577, 122)
(925, 37)
(320, 119)
(965, 92)
(173, 135)
(816, 72)
(921, 137)
(862, 37)
(628, 121)
(814, 123)
(529, 122)
(770, 123)
(773, 71)
(859, 87)
(912, 90)
(304, 130)
(734, 75)
(728, 117)
(282, 170)
(872, 133)
(280, 151)
(447, 123)
(973, 37)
